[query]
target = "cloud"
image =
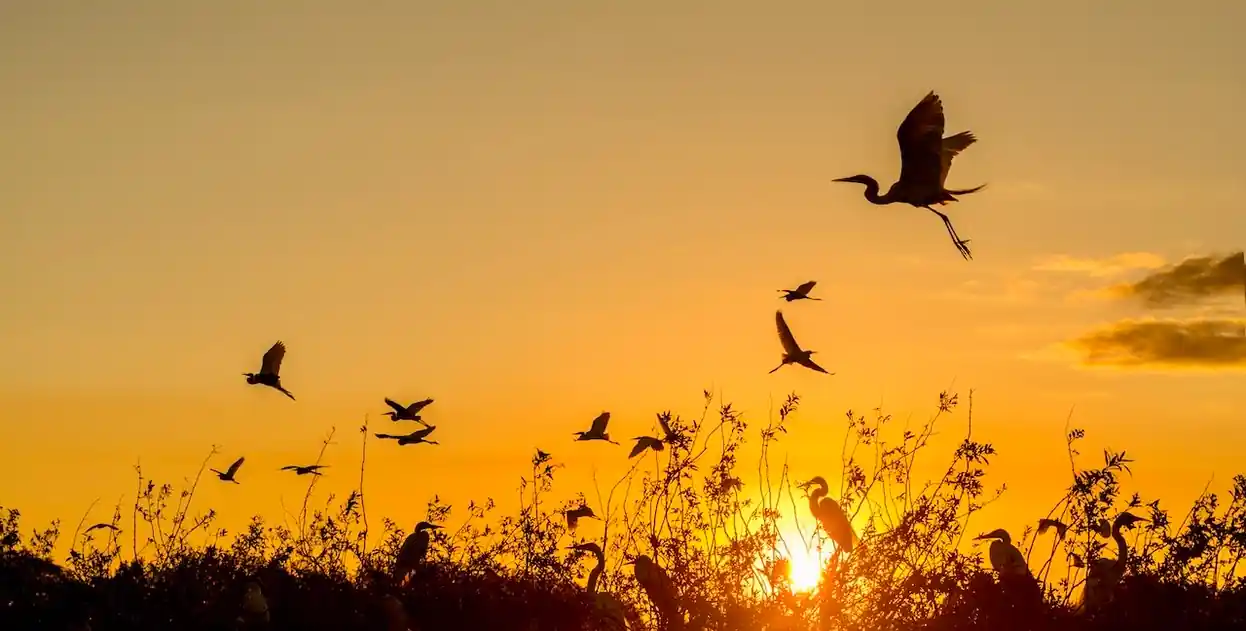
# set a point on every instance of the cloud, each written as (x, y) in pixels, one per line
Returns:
(1099, 268)
(1167, 343)
(1191, 281)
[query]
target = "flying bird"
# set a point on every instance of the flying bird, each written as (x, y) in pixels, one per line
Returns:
(646, 442)
(300, 470)
(270, 369)
(598, 430)
(800, 293)
(228, 474)
(792, 353)
(418, 436)
(574, 515)
(925, 157)
(101, 525)
(407, 413)
(414, 549)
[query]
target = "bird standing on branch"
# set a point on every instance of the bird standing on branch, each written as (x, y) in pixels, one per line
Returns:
(830, 515)
(925, 158)
(792, 352)
(800, 293)
(270, 368)
(598, 430)
(228, 474)
(414, 549)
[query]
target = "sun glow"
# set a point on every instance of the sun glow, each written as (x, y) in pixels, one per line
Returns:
(804, 570)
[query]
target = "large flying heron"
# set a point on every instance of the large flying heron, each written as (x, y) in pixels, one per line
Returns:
(792, 352)
(228, 474)
(800, 293)
(925, 158)
(598, 429)
(1105, 574)
(313, 469)
(418, 436)
(406, 412)
(270, 368)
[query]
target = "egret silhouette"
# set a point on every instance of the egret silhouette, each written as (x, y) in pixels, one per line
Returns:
(660, 590)
(598, 430)
(101, 525)
(1005, 558)
(646, 442)
(792, 353)
(610, 611)
(830, 515)
(1047, 524)
(925, 158)
(575, 514)
(418, 436)
(228, 474)
(800, 293)
(408, 412)
(270, 369)
(1105, 574)
(301, 470)
(414, 549)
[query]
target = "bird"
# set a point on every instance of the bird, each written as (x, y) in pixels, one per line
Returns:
(646, 442)
(659, 588)
(575, 514)
(1105, 574)
(1006, 559)
(407, 413)
(609, 609)
(414, 549)
(1047, 524)
(270, 369)
(301, 470)
(669, 435)
(792, 353)
(102, 525)
(228, 474)
(830, 515)
(800, 293)
(418, 436)
(925, 158)
(598, 430)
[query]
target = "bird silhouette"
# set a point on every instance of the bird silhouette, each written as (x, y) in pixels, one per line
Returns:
(830, 515)
(418, 436)
(414, 549)
(270, 369)
(228, 474)
(1005, 558)
(646, 442)
(575, 514)
(792, 353)
(301, 470)
(1104, 574)
(609, 609)
(661, 591)
(598, 430)
(102, 525)
(407, 413)
(925, 158)
(1047, 524)
(800, 293)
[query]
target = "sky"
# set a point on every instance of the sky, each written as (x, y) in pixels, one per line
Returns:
(534, 212)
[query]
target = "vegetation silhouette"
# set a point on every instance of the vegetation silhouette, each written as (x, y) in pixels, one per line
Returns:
(686, 545)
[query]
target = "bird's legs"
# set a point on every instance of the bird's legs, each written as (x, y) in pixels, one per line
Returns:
(962, 245)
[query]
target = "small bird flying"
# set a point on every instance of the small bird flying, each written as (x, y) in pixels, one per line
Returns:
(925, 158)
(598, 430)
(646, 442)
(408, 412)
(228, 474)
(301, 470)
(418, 436)
(792, 352)
(575, 514)
(800, 293)
(270, 368)
(101, 525)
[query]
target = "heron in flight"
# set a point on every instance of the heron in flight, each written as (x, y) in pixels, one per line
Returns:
(646, 442)
(408, 412)
(792, 352)
(270, 368)
(575, 514)
(418, 436)
(228, 474)
(598, 430)
(414, 549)
(925, 157)
(800, 293)
(301, 470)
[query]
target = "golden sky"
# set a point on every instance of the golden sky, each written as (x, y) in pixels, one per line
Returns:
(537, 211)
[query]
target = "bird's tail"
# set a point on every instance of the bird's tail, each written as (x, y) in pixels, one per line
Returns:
(776, 368)
(967, 191)
(287, 393)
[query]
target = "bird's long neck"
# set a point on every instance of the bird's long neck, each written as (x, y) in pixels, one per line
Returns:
(817, 495)
(594, 575)
(1122, 550)
(872, 196)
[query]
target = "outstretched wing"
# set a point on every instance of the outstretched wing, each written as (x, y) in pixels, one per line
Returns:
(809, 363)
(951, 147)
(642, 443)
(921, 145)
(233, 468)
(666, 427)
(398, 407)
(419, 405)
(272, 359)
(805, 288)
(785, 335)
(599, 423)
(291, 467)
(421, 433)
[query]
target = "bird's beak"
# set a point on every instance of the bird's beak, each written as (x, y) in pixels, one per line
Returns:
(840, 179)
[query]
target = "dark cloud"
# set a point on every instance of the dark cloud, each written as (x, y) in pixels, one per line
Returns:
(1191, 281)
(1191, 343)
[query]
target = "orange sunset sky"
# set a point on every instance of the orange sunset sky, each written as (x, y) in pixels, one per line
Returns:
(536, 211)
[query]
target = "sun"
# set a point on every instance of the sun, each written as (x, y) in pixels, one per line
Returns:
(804, 571)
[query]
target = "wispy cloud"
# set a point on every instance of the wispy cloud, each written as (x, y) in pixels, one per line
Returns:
(1192, 281)
(1101, 267)
(1165, 343)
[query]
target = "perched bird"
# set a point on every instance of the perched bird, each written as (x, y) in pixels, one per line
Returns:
(925, 157)
(658, 587)
(1105, 574)
(608, 608)
(270, 369)
(646, 442)
(598, 430)
(407, 413)
(1006, 559)
(228, 474)
(300, 470)
(573, 515)
(792, 353)
(102, 525)
(830, 515)
(414, 549)
(800, 293)
(418, 436)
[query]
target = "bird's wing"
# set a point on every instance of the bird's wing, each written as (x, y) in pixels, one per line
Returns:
(233, 468)
(805, 288)
(420, 405)
(272, 359)
(666, 427)
(398, 407)
(921, 144)
(809, 363)
(785, 335)
(599, 423)
(639, 448)
(316, 466)
(950, 148)
(292, 467)
(421, 433)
